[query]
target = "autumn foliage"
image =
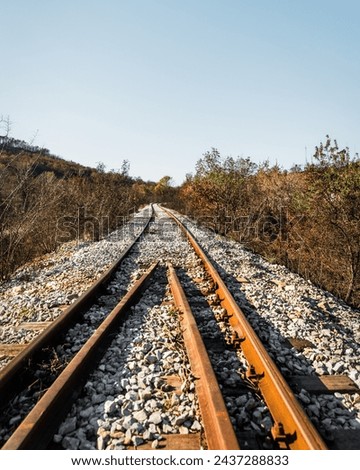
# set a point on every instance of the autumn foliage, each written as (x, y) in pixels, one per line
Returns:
(45, 201)
(306, 218)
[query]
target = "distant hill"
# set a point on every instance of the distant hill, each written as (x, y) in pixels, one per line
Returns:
(18, 153)
(12, 145)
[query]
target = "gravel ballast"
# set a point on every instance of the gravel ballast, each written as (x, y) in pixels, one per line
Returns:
(127, 400)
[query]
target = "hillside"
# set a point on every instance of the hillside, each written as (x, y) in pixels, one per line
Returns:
(19, 154)
(46, 200)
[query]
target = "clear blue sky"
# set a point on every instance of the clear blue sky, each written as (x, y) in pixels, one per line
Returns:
(160, 82)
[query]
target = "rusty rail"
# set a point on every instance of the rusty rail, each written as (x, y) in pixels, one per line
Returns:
(219, 431)
(9, 375)
(292, 428)
(36, 430)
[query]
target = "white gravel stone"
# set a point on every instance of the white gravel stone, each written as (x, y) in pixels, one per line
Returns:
(155, 444)
(110, 407)
(155, 418)
(140, 416)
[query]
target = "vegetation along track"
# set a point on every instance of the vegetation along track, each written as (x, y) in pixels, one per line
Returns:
(146, 389)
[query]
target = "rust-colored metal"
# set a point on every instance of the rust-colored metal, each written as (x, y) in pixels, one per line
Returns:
(36, 430)
(219, 431)
(292, 428)
(9, 375)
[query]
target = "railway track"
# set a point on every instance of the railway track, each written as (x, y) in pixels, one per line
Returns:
(31, 372)
(131, 383)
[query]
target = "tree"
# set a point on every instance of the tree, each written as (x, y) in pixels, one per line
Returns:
(335, 187)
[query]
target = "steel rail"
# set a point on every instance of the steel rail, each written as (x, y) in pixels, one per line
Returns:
(9, 375)
(36, 430)
(292, 428)
(219, 431)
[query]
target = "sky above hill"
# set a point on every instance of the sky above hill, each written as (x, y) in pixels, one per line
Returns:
(160, 82)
